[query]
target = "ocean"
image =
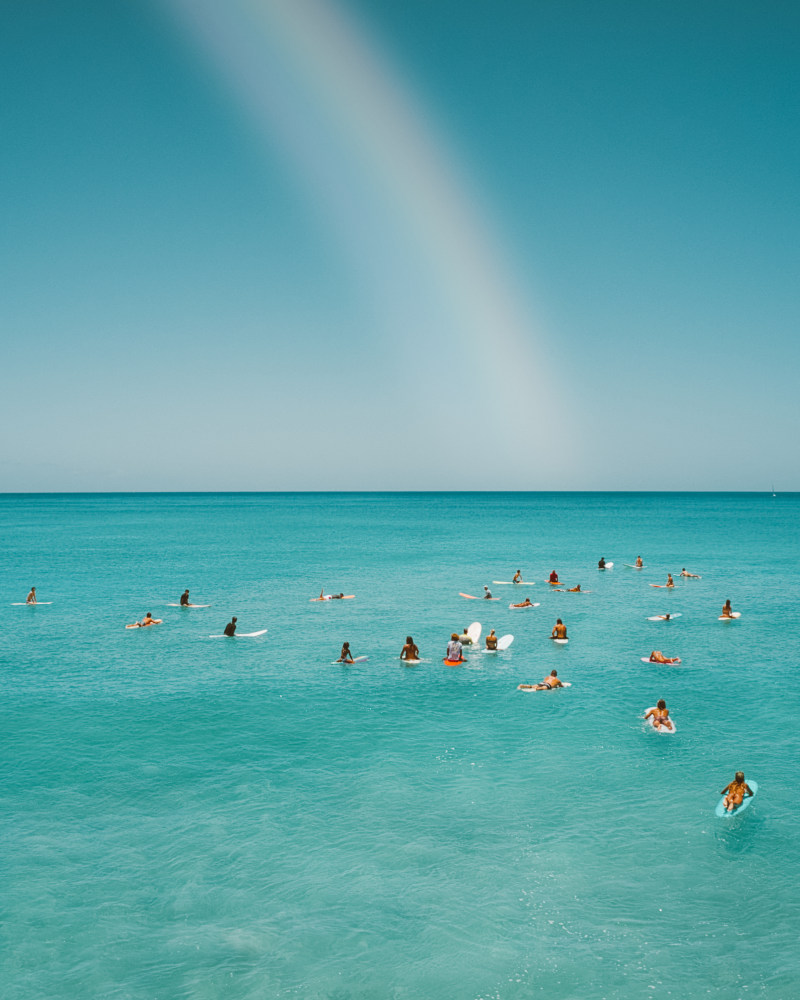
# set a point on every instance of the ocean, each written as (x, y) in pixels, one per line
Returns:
(194, 817)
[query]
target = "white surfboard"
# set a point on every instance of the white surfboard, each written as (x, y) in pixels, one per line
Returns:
(608, 565)
(502, 643)
(360, 659)
(533, 604)
(188, 605)
(240, 635)
(661, 729)
(474, 632)
(510, 583)
(663, 618)
(561, 642)
(631, 566)
(29, 604)
(728, 618)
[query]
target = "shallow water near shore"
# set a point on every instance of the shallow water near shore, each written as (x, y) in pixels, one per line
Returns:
(202, 818)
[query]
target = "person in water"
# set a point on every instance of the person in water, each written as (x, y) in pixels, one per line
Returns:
(345, 656)
(735, 792)
(639, 562)
(658, 657)
(553, 577)
(147, 620)
(694, 576)
(660, 715)
(487, 593)
(465, 638)
(727, 610)
(670, 582)
(527, 603)
(517, 578)
(230, 628)
(602, 563)
(574, 590)
(559, 630)
(185, 598)
(491, 640)
(549, 682)
(31, 598)
(454, 650)
(409, 651)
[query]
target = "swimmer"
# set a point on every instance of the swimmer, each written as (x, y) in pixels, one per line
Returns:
(345, 656)
(491, 640)
(185, 599)
(465, 638)
(409, 651)
(527, 603)
(602, 563)
(735, 792)
(147, 620)
(693, 576)
(517, 578)
(559, 630)
(487, 593)
(670, 582)
(660, 716)
(31, 598)
(639, 562)
(454, 651)
(549, 682)
(658, 657)
(230, 628)
(554, 577)
(727, 610)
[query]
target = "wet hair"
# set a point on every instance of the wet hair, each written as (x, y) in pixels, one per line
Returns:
(233, 619)
(345, 645)
(559, 622)
(409, 640)
(454, 636)
(554, 673)
(661, 703)
(739, 776)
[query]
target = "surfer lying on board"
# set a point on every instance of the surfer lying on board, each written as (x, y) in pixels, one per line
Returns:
(230, 628)
(694, 576)
(660, 715)
(454, 650)
(491, 640)
(345, 656)
(329, 597)
(409, 651)
(31, 598)
(658, 657)
(517, 577)
(554, 577)
(727, 610)
(735, 792)
(549, 682)
(527, 603)
(559, 630)
(147, 620)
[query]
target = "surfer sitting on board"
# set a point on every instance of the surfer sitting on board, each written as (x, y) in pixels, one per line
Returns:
(345, 656)
(517, 578)
(670, 582)
(465, 638)
(727, 610)
(549, 682)
(559, 630)
(694, 576)
(602, 563)
(735, 792)
(527, 603)
(660, 715)
(31, 598)
(409, 651)
(491, 640)
(639, 562)
(230, 628)
(147, 620)
(658, 657)
(185, 598)
(454, 650)
(487, 593)
(554, 577)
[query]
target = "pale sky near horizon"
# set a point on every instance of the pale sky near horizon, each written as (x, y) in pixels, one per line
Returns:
(356, 244)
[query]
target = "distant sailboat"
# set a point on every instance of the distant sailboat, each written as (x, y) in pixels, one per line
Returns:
(773, 490)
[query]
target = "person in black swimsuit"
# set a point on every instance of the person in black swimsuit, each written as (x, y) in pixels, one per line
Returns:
(185, 598)
(230, 628)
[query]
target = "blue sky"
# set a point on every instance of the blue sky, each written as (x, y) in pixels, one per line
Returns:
(370, 245)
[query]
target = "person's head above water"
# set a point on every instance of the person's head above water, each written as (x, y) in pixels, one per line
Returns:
(661, 703)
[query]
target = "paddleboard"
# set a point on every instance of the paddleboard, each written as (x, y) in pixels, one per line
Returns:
(188, 605)
(608, 565)
(661, 729)
(474, 632)
(672, 662)
(360, 659)
(729, 618)
(347, 597)
(561, 642)
(453, 663)
(471, 597)
(510, 583)
(240, 635)
(533, 687)
(533, 604)
(663, 618)
(722, 811)
(27, 604)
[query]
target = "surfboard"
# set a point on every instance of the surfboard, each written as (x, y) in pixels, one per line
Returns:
(561, 642)
(356, 659)
(471, 597)
(188, 605)
(672, 661)
(533, 687)
(729, 618)
(608, 565)
(240, 635)
(663, 586)
(663, 618)
(347, 597)
(533, 604)
(502, 643)
(413, 663)
(723, 812)
(28, 604)
(474, 632)
(661, 729)
(453, 663)
(510, 583)
(631, 566)
(554, 583)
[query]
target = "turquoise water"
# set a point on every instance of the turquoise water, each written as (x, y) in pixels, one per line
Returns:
(202, 818)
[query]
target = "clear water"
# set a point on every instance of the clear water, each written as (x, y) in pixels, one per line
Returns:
(209, 818)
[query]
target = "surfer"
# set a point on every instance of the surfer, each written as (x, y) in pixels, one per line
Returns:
(31, 598)
(573, 590)
(329, 597)
(670, 582)
(550, 682)
(517, 578)
(409, 651)
(639, 562)
(454, 650)
(230, 628)
(185, 599)
(345, 656)
(735, 792)
(658, 657)
(465, 638)
(487, 594)
(559, 630)
(554, 577)
(491, 640)
(602, 563)
(660, 715)
(693, 576)
(147, 620)
(527, 603)
(727, 610)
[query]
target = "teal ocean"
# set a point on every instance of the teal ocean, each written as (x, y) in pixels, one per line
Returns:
(202, 818)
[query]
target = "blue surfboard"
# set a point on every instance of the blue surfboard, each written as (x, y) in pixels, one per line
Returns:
(722, 811)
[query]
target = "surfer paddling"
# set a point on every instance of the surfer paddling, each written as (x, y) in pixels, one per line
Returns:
(735, 792)
(527, 603)
(548, 684)
(559, 630)
(147, 620)
(660, 716)
(692, 576)
(409, 651)
(31, 598)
